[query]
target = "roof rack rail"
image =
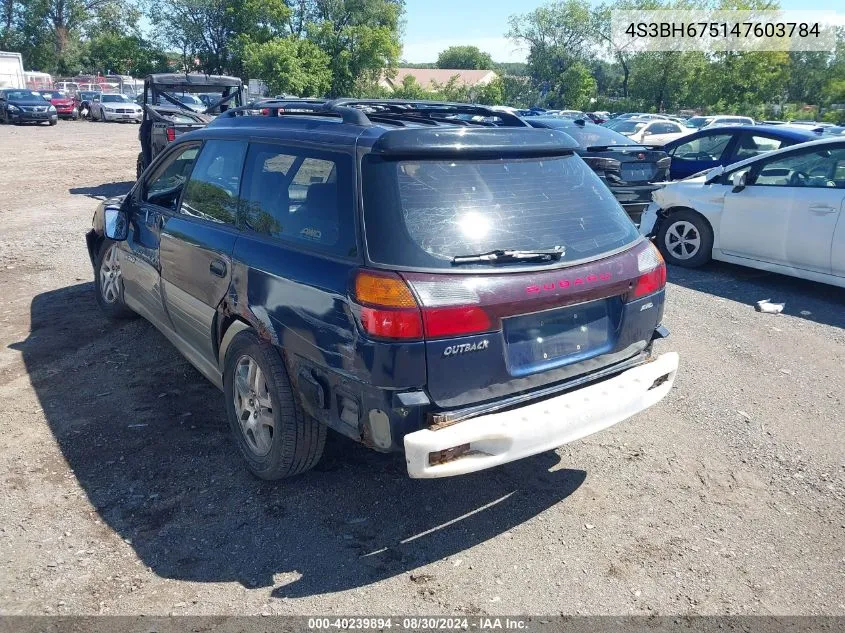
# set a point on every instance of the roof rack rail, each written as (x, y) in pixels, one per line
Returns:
(311, 107)
(417, 108)
(355, 111)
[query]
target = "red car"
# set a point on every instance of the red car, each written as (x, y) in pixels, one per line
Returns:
(65, 105)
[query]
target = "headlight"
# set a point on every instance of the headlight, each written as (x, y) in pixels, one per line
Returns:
(13, 108)
(52, 108)
(108, 109)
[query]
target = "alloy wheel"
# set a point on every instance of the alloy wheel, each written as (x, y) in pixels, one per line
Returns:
(110, 276)
(253, 405)
(682, 240)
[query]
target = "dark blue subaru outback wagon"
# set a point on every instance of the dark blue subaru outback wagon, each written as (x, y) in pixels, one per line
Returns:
(433, 278)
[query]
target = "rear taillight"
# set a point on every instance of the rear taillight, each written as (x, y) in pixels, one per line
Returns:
(171, 135)
(442, 308)
(455, 321)
(602, 164)
(388, 307)
(652, 273)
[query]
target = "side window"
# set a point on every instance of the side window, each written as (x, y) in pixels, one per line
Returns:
(753, 145)
(312, 171)
(809, 168)
(706, 148)
(165, 186)
(213, 189)
(300, 196)
(663, 128)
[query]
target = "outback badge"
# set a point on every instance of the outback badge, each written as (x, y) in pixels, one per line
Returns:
(452, 350)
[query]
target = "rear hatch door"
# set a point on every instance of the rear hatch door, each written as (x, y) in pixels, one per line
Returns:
(497, 328)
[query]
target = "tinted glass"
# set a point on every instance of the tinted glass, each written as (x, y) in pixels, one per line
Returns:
(629, 127)
(115, 99)
(214, 186)
(587, 135)
(709, 148)
(753, 145)
(697, 121)
(299, 196)
(664, 128)
(165, 186)
(424, 213)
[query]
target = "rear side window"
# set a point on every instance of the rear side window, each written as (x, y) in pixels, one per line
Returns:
(212, 191)
(753, 145)
(424, 213)
(301, 197)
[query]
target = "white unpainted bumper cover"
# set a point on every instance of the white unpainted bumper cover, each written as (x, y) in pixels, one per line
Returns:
(497, 438)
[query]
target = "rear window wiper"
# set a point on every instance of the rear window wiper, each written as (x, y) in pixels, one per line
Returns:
(499, 255)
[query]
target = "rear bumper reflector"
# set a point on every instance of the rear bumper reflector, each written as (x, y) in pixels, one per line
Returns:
(497, 438)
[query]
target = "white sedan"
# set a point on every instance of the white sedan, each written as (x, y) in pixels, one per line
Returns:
(781, 211)
(114, 107)
(649, 131)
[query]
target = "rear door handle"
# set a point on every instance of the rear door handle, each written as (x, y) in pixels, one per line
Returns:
(218, 267)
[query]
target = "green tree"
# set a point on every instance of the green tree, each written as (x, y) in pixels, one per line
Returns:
(123, 55)
(361, 38)
(289, 65)
(557, 34)
(410, 89)
(575, 87)
(465, 58)
(492, 93)
(216, 31)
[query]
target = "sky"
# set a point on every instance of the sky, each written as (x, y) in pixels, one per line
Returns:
(433, 25)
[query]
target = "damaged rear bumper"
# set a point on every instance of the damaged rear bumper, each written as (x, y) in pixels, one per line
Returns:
(497, 438)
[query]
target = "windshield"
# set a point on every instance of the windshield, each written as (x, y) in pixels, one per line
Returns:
(697, 122)
(48, 94)
(464, 207)
(588, 135)
(629, 127)
(23, 95)
(115, 99)
(189, 100)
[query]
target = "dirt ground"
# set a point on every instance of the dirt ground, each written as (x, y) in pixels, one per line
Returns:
(121, 492)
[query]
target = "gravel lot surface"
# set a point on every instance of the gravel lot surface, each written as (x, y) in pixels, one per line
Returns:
(121, 492)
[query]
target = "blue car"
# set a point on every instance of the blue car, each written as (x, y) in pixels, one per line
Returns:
(464, 293)
(726, 145)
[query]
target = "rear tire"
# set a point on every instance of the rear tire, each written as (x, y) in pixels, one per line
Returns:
(108, 282)
(275, 436)
(685, 239)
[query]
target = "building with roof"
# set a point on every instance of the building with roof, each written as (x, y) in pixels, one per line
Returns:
(430, 78)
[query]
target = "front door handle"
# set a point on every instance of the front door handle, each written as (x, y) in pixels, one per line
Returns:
(217, 267)
(822, 208)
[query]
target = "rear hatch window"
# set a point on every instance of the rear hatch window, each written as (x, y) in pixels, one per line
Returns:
(423, 213)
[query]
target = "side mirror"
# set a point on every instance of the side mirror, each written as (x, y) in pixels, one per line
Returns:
(646, 133)
(115, 223)
(738, 180)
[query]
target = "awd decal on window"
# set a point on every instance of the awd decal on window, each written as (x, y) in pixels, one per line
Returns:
(466, 347)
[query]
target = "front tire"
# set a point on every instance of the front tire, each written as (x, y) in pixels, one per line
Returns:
(275, 436)
(685, 239)
(108, 282)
